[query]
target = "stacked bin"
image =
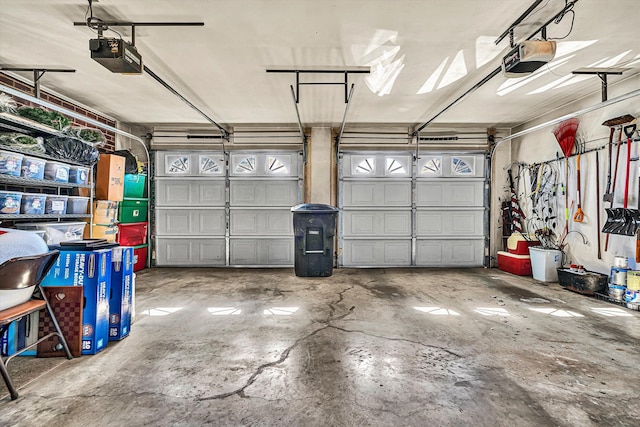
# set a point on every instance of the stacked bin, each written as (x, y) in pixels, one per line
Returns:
(132, 219)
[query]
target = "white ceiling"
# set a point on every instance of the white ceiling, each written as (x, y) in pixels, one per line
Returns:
(221, 67)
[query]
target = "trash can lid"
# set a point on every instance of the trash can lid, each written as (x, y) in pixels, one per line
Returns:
(314, 208)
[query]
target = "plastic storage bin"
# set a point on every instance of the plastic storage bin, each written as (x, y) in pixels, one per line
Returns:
(140, 257)
(77, 205)
(10, 202)
(132, 234)
(33, 168)
(56, 171)
(133, 210)
(33, 204)
(10, 163)
(585, 282)
(56, 232)
(545, 263)
(78, 175)
(314, 226)
(134, 185)
(55, 204)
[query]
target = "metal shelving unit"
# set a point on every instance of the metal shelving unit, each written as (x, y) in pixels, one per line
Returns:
(19, 181)
(43, 216)
(12, 123)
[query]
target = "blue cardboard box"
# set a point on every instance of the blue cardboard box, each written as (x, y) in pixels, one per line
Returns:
(8, 340)
(92, 271)
(19, 334)
(121, 293)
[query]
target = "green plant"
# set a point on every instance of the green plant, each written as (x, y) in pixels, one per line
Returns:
(49, 118)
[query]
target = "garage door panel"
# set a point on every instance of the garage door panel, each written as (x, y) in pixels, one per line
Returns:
(450, 193)
(450, 253)
(377, 223)
(449, 222)
(253, 222)
(263, 251)
(190, 192)
(370, 253)
(263, 193)
(194, 222)
(174, 252)
(376, 193)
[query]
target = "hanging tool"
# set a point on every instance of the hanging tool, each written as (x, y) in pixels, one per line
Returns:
(598, 202)
(516, 216)
(612, 123)
(638, 230)
(565, 134)
(579, 216)
(609, 197)
(624, 221)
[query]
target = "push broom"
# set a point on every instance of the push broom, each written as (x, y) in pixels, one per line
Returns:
(565, 134)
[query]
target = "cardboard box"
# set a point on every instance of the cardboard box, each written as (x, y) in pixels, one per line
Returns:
(19, 334)
(105, 212)
(110, 177)
(92, 270)
(98, 231)
(121, 293)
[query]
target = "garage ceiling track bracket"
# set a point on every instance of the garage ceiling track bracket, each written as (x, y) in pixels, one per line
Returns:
(298, 71)
(602, 73)
(344, 121)
(493, 73)
(300, 127)
(38, 72)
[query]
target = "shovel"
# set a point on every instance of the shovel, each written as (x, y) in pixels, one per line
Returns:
(622, 220)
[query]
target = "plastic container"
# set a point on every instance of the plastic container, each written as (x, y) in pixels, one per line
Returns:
(10, 202)
(56, 232)
(617, 292)
(10, 163)
(134, 234)
(133, 210)
(77, 205)
(33, 204)
(140, 257)
(78, 175)
(515, 264)
(633, 280)
(519, 244)
(55, 204)
(33, 168)
(56, 171)
(545, 263)
(314, 227)
(134, 185)
(584, 282)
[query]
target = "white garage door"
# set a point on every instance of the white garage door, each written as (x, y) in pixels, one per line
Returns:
(263, 188)
(399, 212)
(214, 212)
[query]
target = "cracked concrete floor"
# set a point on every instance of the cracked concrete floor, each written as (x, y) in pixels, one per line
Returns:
(381, 347)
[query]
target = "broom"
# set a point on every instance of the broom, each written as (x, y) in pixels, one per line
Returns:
(565, 134)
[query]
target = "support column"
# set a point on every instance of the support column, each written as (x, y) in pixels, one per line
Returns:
(320, 160)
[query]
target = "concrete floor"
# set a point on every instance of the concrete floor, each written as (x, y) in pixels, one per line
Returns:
(384, 347)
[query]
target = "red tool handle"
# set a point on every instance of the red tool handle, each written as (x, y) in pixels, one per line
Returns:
(626, 184)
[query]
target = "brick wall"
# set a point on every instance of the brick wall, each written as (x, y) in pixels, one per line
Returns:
(29, 90)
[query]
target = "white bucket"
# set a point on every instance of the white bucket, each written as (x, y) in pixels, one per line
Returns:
(544, 264)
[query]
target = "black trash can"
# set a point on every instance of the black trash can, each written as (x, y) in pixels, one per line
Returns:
(314, 226)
